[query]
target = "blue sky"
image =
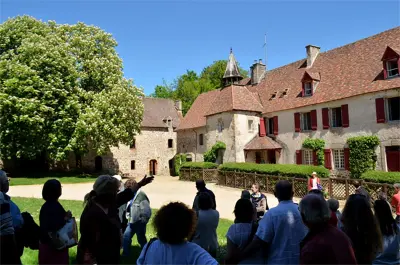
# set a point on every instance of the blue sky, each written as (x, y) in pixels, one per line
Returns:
(161, 39)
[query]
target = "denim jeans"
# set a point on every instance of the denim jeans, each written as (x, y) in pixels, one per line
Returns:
(138, 228)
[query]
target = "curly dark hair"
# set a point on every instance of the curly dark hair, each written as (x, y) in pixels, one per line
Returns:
(174, 223)
(362, 228)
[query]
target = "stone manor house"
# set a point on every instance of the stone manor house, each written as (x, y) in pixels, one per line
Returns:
(349, 91)
(152, 151)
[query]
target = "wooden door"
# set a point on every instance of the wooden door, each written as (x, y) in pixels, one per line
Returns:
(258, 157)
(393, 158)
(153, 167)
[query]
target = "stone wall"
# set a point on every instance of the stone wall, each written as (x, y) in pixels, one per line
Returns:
(242, 133)
(151, 144)
(188, 143)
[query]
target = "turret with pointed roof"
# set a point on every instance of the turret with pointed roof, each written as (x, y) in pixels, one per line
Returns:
(232, 74)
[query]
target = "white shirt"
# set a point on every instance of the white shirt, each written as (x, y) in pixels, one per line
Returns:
(314, 184)
(183, 254)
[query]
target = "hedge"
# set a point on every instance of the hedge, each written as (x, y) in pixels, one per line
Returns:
(205, 165)
(381, 177)
(289, 170)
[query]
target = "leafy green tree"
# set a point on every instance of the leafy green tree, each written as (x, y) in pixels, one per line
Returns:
(62, 89)
(190, 85)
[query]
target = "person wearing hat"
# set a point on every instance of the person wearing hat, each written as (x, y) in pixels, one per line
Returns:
(313, 182)
(100, 226)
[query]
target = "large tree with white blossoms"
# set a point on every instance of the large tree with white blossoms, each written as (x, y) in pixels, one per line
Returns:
(62, 89)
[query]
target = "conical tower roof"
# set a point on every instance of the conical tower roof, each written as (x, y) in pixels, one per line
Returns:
(232, 74)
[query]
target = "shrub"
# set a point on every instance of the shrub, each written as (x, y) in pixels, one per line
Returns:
(289, 170)
(179, 160)
(362, 154)
(381, 177)
(316, 145)
(211, 155)
(204, 165)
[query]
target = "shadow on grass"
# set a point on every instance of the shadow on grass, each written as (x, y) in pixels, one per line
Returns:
(133, 256)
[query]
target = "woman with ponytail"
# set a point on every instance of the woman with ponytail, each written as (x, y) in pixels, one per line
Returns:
(100, 225)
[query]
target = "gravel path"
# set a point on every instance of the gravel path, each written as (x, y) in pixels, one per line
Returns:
(164, 189)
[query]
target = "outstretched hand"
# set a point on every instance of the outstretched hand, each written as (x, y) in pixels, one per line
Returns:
(146, 180)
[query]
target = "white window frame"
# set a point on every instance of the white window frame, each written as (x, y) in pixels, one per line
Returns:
(338, 159)
(307, 157)
(302, 127)
(308, 87)
(387, 111)
(388, 69)
(331, 117)
(250, 125)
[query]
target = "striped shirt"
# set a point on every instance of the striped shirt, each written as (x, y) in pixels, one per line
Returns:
(6, 222)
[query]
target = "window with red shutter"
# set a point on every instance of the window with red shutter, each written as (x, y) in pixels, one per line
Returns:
(327, 158)
(314, 122)
(345, 116)
(347, 158)
(262, 127)
(325, 118)
(299, 157)
(314, 158)
(297, 122)
(276, 127)
(380, 110)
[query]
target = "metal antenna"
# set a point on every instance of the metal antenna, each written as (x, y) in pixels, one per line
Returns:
(265, 50)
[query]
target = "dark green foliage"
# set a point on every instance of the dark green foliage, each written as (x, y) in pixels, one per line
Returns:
(179, 160)
(362, 154)
(211, 155)
(316, 145)
(206, 165)
(381, 177)
(299, 171)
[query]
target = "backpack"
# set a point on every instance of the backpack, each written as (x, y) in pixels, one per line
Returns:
(138, 209)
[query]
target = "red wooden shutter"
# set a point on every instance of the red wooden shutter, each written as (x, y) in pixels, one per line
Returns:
(325, 118)
(262, 127)
(266, 126)
(314, 158)
(347, 158)
(345, 116)
(384, 70)
(328, 159)
(297, 122)
(276, 128)
(380, 110)
(314, 122)
(299, 157)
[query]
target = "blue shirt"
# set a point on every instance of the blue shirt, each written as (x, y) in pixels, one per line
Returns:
(391, 251)
(283, 229)
(17, 218)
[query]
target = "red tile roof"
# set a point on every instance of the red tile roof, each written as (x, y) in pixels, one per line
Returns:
(156, 110)
(195, 117)
(262, 143)
(234, 97)
(348, 71)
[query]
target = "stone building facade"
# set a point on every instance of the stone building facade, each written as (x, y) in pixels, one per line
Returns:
(152, 151)
(349, 91)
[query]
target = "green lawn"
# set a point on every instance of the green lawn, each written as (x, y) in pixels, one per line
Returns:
(64, 179)
(33, 207)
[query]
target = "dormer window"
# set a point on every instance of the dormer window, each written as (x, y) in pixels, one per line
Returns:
(391, 62)
(310, 81)
(308, 89)
(392, 68)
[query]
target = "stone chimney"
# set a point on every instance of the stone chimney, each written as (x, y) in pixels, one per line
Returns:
(312, 53)
(257, 70)
(178, 105)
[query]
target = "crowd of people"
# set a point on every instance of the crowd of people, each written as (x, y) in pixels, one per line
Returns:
(311, 232)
